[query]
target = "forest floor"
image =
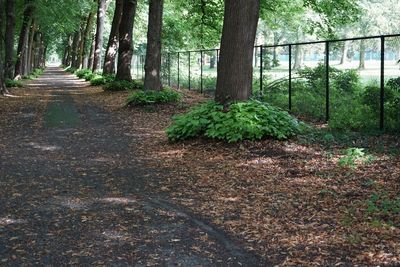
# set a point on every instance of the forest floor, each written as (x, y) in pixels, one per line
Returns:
(86, 180)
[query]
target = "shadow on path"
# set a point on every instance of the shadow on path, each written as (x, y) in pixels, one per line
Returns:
(75, 193)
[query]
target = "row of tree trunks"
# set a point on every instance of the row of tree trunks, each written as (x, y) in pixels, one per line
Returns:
(84, 44)
(9, 39)
(3, 89)
(112, 46)
(101, 15)
(21, 60)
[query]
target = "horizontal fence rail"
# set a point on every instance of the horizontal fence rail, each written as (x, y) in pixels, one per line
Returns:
(279, 64)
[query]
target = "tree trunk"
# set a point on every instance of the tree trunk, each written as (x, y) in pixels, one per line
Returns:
(152, 67)
(235, 71)
(362, 55)
(112, 46)
(91, 54)
(213, 60)
(9, 39)
(125, 50)
(3, 89)
(69, 51)
(28, 65)
(74, 50)
(343, 58)
(23, 39)
(298, 57)
(84, 48)
(101, 15)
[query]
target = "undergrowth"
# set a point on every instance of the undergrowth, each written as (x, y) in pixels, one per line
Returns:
(123, 86)
(249, 120)
(153, 97)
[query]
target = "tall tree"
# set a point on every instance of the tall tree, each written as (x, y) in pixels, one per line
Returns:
(101, 15)
(9, 38)
(3, 89)
(112, 46)
(152, 80)
(125, 50)
(20, 63)
(85, 41)
(235, 71)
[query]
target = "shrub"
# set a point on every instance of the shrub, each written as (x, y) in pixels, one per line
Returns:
(153, 97)
(347, 81)
(70, 69)
(249, 120)
(98, 79)
(123, 85)
(89, 76)
(13, 83)
(82, 73)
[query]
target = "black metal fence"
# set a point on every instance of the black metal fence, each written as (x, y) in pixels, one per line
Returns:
(304, 77)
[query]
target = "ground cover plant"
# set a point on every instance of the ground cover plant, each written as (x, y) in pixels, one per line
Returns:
(123, 85)
(150, 97)
(250, 120)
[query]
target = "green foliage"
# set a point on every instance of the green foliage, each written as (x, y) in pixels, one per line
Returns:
(70, 69)
(98, 79)
(89, 76)
(243, 121)
(13, 83)
(353, 156)
(383, 208)
(123, 85)
(153, 97)
(82, 73)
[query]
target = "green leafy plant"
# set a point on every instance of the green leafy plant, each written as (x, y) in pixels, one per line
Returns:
(249, 120)
(98, 79)
(123, 85)
(383, 208)
(353, 156)
(153, 97)
(13, 83)
(82, 73)
(70, 69)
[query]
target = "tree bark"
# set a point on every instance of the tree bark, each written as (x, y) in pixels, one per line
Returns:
(112, 46)
(298, 57)
(23, 39)
(125, 50)
(152, 66)
(235, 71)
(343, 58)
(101, 15)
(3, 89)
(362, 55)
(9, 38)
(91, 54)
(74, 50)
(84, 48)
(30, 50)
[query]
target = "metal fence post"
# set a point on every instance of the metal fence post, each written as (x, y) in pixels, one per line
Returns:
(327, 80)
(261, 69)
(178, 69)
(201, 71)
(189, 70)
(290, 77)
(382, 94)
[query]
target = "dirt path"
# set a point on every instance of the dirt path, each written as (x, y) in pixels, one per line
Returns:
(75, 192)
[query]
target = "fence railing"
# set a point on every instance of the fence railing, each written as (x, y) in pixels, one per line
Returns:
(280, 79)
